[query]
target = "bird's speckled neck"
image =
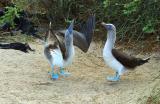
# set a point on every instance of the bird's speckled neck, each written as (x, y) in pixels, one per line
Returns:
(111, 38)
(69, 48)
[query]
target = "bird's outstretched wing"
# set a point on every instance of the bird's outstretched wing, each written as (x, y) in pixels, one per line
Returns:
(83, 38)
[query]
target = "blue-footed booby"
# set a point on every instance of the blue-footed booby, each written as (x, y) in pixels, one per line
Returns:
(117, 60)
(60, 54)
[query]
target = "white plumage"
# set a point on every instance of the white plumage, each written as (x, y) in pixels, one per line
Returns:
(118, 60)
(57, 58)
(70, 58)
(109, 59)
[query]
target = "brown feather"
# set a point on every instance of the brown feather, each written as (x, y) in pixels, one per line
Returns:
(128, 61)
(60, 39)
(48, 48)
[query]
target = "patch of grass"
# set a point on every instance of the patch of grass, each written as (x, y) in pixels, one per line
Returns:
(154, 97)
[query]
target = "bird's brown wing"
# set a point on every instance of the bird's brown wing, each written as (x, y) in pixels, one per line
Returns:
(60, 40)
(83, 38)
(128, 61)
(79, 39)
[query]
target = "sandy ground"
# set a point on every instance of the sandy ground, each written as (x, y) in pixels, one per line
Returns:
(24, 80)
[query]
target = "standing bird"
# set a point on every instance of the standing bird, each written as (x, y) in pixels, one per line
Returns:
(117, 60)
(61, 52)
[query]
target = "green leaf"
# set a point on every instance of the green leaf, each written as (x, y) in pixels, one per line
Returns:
(149, 27)
(9, 16)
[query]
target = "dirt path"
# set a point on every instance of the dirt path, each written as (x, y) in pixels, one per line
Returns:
(24, 80)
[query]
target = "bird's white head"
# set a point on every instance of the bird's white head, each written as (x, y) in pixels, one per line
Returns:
(111, 35)
(109, 27)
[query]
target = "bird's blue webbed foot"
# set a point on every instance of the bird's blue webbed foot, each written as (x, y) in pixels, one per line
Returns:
(64, 73)
(53, 75)
(114, 78)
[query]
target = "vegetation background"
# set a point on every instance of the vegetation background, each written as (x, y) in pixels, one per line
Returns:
(133, 18)
(137, 21)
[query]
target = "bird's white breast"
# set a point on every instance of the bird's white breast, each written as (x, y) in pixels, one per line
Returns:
(70, 58)
(57, 58)
(111, 61)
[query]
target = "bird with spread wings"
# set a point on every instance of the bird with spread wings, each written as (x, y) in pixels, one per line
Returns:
(60, 52)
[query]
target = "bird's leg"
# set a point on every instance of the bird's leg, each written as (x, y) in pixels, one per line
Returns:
(53, 73)
(114, 78)
(63, 73)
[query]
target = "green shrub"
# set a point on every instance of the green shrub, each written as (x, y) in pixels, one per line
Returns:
(9, 16)
(133, 18)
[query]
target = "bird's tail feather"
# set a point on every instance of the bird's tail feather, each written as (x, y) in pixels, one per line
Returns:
(50, 25)
(47, 35)
(143, 61)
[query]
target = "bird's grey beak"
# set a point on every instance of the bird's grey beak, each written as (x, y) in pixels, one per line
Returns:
(103, 24)
(50, 25)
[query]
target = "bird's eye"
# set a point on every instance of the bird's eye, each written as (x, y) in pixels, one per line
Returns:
(69, 31)
(109, 27)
